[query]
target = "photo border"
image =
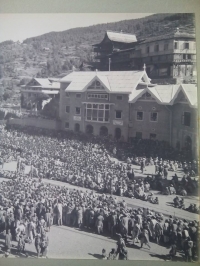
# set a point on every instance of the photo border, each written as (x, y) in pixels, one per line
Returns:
(103, 6)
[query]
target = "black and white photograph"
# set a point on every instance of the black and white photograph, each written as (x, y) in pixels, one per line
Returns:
(99, 136)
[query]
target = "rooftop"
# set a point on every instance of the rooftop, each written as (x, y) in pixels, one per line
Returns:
(119, 37)
(176, 35)
(113, 81)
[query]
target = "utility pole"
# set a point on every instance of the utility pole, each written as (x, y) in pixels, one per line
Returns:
(109, 62)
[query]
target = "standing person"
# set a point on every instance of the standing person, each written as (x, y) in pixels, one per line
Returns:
(188, 245)
(99, 223)
(59, 208)
(142, 166)
(8, 242)
(136, 232)
(44, 244)
(123, 254)
(48, 219)
(124, 227)
(144, 238)
(37, 244)
(120, 244)
(173, 250)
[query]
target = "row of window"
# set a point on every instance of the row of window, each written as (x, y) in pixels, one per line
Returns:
(95, 96)
(100, 112)
(186, 45)
(170, 57)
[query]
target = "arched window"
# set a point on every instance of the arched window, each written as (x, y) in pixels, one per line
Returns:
(103, 131)
(89, 129)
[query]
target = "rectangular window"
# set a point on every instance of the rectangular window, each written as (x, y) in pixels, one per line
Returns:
(176, 45)
(154, 117)
(189, 56)
(186, 119)
(166, 46)
(118, 114)
(138, 135)
(78, 110)
(156, 48)
(97, 96)
(184, 56)
(67, 94)
(186, 45)
(152, 136)
(66, 124)
(119, 97)
(78, 95)
(139, 116)
(147, 49)
(97, 112)
(67, 109)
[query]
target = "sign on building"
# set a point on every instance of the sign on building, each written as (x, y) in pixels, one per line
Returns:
(77, 118)
(118, 122)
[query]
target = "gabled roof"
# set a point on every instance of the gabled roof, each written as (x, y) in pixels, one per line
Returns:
(113, 81)
(190, 90)
(118, 37)
(167, 94)
(44, 84)
(121, 37)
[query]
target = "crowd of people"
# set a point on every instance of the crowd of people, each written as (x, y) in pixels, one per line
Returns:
(88, 162)
(29, 207)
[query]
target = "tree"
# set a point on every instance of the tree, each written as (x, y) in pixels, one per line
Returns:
(6, 95)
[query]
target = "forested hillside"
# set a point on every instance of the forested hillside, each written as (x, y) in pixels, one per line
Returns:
(56, 52)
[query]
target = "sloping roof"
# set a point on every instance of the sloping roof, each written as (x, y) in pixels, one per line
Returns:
(191, 93)
(45, 84)
(121, 37)
(165, 92)
(42, 82)
(52, 85)
(114, 81)
(136, 94)
(169, 36)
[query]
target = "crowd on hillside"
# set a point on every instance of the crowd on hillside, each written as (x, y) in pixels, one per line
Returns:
(29, 208)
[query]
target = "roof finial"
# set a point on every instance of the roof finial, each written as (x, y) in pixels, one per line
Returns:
(96, 70)
(144, 67)
(177, 30)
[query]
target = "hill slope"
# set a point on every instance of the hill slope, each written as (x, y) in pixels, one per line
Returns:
(56, 52)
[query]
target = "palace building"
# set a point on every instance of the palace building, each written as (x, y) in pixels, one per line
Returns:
(170, 58)
(126, 105)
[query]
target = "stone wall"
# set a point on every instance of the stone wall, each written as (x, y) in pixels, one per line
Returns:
(35, 122)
